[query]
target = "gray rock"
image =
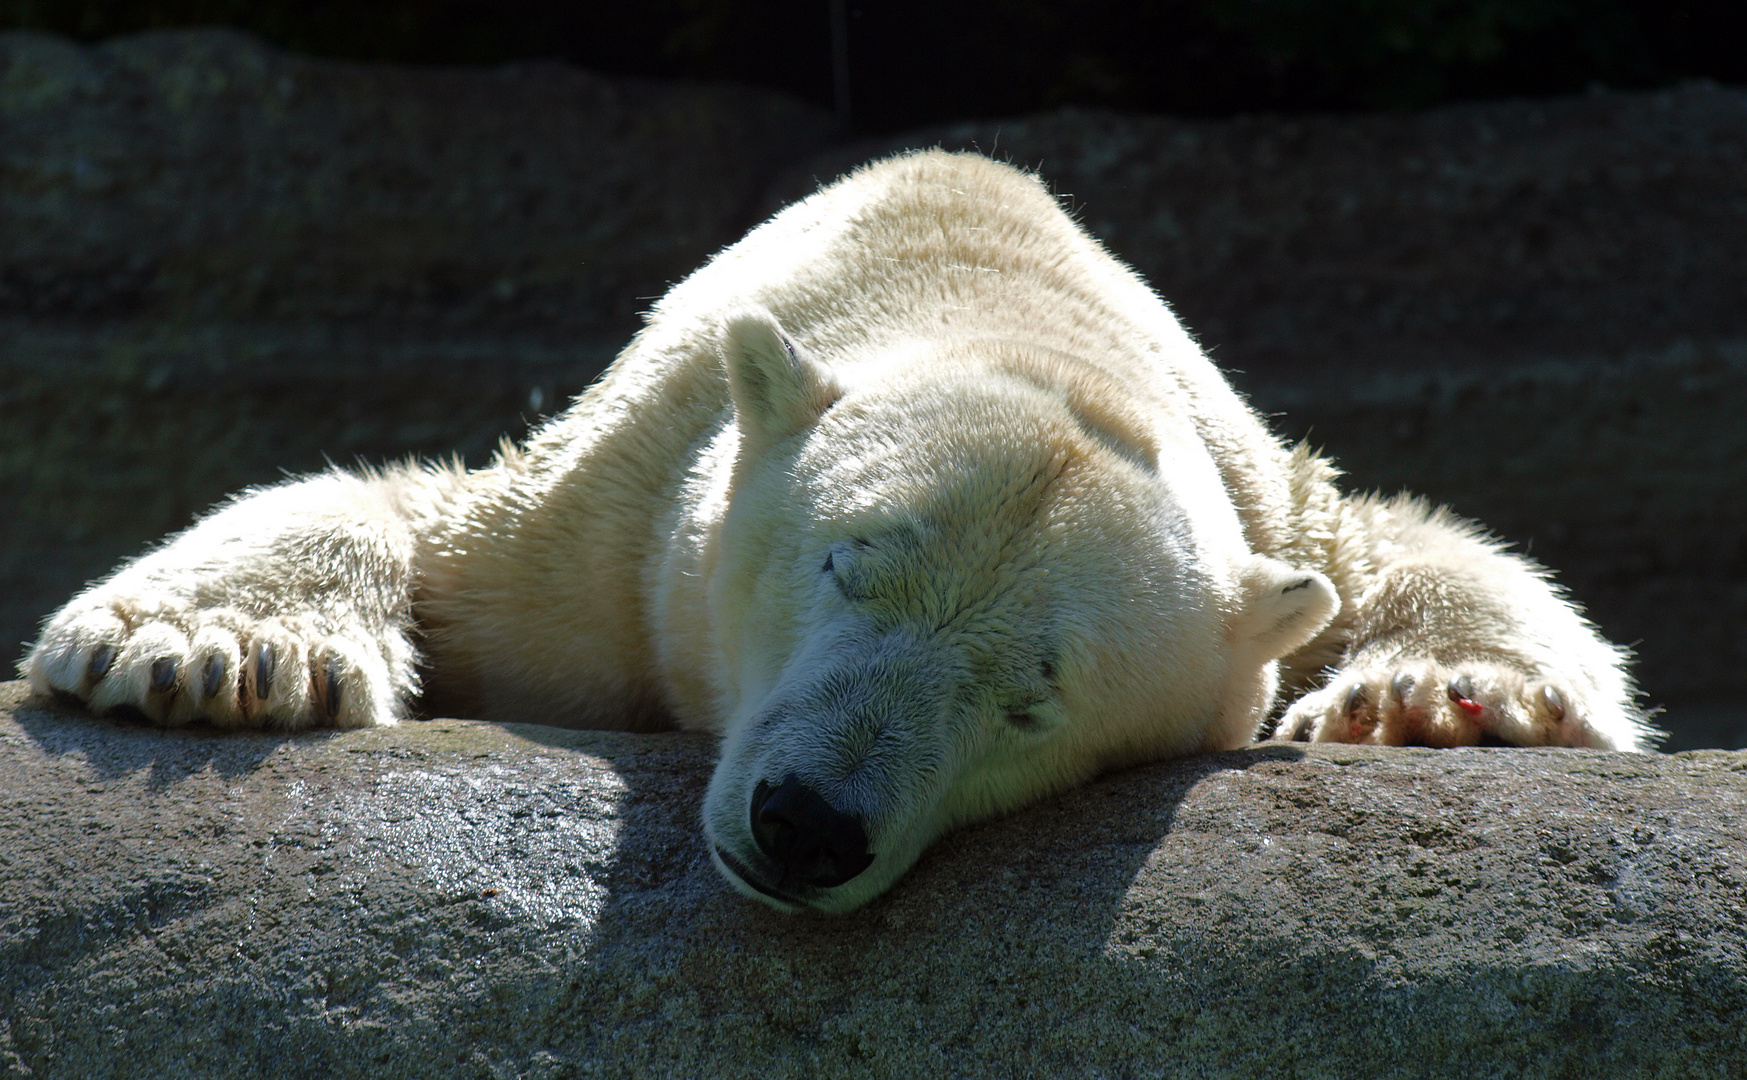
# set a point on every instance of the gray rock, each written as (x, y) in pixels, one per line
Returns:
(205, 176)
(219, 261)
(455, 898)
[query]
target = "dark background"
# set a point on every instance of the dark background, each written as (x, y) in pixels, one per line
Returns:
(918, 62)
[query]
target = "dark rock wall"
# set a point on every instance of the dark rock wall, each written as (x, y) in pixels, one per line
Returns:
(204, 177)
(218, 261)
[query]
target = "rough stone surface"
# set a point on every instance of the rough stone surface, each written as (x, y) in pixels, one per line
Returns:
(219, 261)
(455, 898)
(206, 174)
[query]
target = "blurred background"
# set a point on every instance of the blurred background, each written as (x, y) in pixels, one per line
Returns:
(1493, 251)
(912, 62)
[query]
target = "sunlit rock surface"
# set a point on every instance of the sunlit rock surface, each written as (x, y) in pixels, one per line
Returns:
(454, 898)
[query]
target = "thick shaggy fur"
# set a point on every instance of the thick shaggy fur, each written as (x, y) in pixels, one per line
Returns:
(915, 495)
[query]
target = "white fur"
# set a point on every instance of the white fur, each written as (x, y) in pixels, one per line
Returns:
(915, 494)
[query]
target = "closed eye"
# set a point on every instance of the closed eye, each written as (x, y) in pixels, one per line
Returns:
(1038, 708)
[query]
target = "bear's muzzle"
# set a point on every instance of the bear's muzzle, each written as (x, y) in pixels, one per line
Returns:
(815, 843)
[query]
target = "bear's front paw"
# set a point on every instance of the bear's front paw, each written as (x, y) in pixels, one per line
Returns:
(174, 664)
(1425, 703)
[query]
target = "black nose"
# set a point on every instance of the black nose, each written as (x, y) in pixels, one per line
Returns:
(811, 840)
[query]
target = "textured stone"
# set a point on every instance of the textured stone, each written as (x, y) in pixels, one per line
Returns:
(207, 175)
(219, 261)
(454, 898)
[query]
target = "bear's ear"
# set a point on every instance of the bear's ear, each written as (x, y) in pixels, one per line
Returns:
(1280, 608)
(778, 389)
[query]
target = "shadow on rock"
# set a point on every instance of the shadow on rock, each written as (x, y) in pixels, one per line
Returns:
(969, 948)
(114, 747)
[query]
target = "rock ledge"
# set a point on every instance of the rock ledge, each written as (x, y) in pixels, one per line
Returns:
(456, 898)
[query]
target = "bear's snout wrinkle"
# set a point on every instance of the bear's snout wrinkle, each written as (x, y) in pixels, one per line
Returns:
(810, 839)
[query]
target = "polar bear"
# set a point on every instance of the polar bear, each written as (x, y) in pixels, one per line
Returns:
(916, 496)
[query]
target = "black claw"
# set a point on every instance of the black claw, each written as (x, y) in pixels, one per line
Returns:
(1402, 686)
(1461, 688)
(263, 671)
(333, 695)
(213, 677)
(163, 674)
(1555, 702)
(1355, 698)
(101, 658)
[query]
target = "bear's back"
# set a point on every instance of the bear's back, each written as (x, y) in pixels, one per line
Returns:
(934, 245)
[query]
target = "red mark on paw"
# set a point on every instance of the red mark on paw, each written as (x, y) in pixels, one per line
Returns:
(1469, 706)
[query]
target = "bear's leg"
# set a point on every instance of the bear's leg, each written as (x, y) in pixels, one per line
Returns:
(1457, 642)
(287, 608)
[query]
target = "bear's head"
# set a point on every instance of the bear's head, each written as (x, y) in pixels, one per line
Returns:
(977, 578)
